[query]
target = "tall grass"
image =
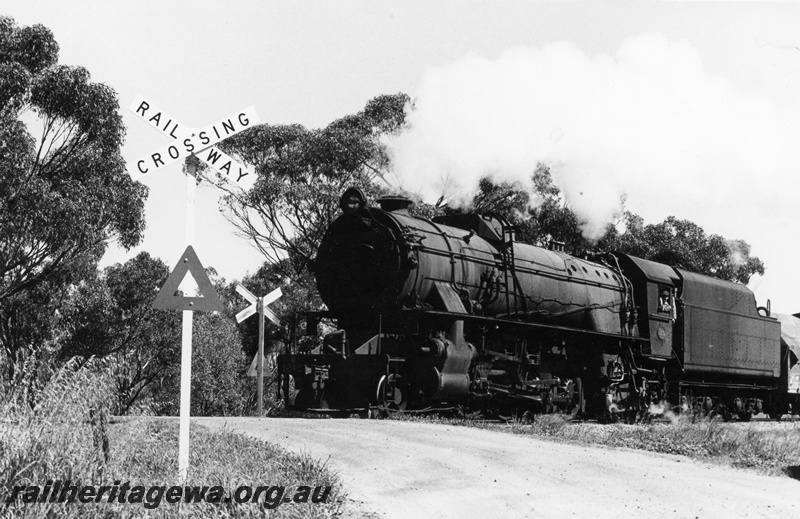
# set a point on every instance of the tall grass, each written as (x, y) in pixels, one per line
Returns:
(58, 431)
(65, 435)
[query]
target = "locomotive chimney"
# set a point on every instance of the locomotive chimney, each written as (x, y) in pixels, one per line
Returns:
(395, 204)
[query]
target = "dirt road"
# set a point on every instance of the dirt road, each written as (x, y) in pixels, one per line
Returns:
(410, 470)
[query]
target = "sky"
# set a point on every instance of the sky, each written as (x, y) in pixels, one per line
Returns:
(691, 109)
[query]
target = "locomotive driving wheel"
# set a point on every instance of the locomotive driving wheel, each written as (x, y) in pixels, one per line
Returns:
(577, 405)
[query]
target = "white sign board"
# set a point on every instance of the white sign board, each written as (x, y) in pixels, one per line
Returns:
(192, 141)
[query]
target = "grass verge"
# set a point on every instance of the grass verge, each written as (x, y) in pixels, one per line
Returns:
(770, 448)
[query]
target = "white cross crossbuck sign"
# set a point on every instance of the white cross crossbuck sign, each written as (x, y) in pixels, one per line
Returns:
(259, 305)
(253, 308)
(192, 141)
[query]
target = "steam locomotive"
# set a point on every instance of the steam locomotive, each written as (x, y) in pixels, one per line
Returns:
(454, 312)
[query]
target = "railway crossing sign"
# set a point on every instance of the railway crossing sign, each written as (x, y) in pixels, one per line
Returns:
(190, 144)
(259, 304)
(189, 141)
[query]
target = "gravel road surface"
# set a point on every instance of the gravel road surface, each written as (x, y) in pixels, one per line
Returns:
(415, 470)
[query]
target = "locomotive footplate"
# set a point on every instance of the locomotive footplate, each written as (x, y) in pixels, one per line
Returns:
(332, 381)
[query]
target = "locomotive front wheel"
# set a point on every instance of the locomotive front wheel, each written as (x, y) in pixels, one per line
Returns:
(391, 398)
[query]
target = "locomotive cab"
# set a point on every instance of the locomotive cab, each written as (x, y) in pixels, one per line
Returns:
(656, 297)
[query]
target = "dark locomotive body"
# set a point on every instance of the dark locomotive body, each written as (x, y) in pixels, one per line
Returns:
(453, 311)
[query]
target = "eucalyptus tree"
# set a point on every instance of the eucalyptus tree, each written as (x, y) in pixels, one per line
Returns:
(676, 242)
(301, 175)
(64, 192)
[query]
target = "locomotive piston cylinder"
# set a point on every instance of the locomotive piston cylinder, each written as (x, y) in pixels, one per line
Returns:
(435, 347)
(445, 365)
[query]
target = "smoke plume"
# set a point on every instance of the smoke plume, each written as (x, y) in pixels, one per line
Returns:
(648, 121)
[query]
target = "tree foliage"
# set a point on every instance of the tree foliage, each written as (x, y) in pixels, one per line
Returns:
(298, 295)
(65, 193)
(112, 316)
(675, 242)
(301, 175)
(684, 244)
(542, 215)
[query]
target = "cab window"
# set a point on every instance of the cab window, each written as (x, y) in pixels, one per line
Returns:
(665, 301)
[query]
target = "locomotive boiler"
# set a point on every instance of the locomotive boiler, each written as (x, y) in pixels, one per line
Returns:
(453, 311)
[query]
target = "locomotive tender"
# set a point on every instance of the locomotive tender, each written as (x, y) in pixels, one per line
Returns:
(454, 312)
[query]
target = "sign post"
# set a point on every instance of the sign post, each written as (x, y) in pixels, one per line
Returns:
(259, 305)
(260, 353)
(190, 170)
(190, 144)
(206, 300)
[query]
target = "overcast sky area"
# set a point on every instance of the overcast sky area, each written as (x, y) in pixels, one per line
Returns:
(691, 109)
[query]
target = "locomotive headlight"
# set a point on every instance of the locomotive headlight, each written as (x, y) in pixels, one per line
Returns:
(352, 201)
(350, 206)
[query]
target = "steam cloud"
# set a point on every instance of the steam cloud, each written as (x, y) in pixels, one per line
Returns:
(649, 121)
